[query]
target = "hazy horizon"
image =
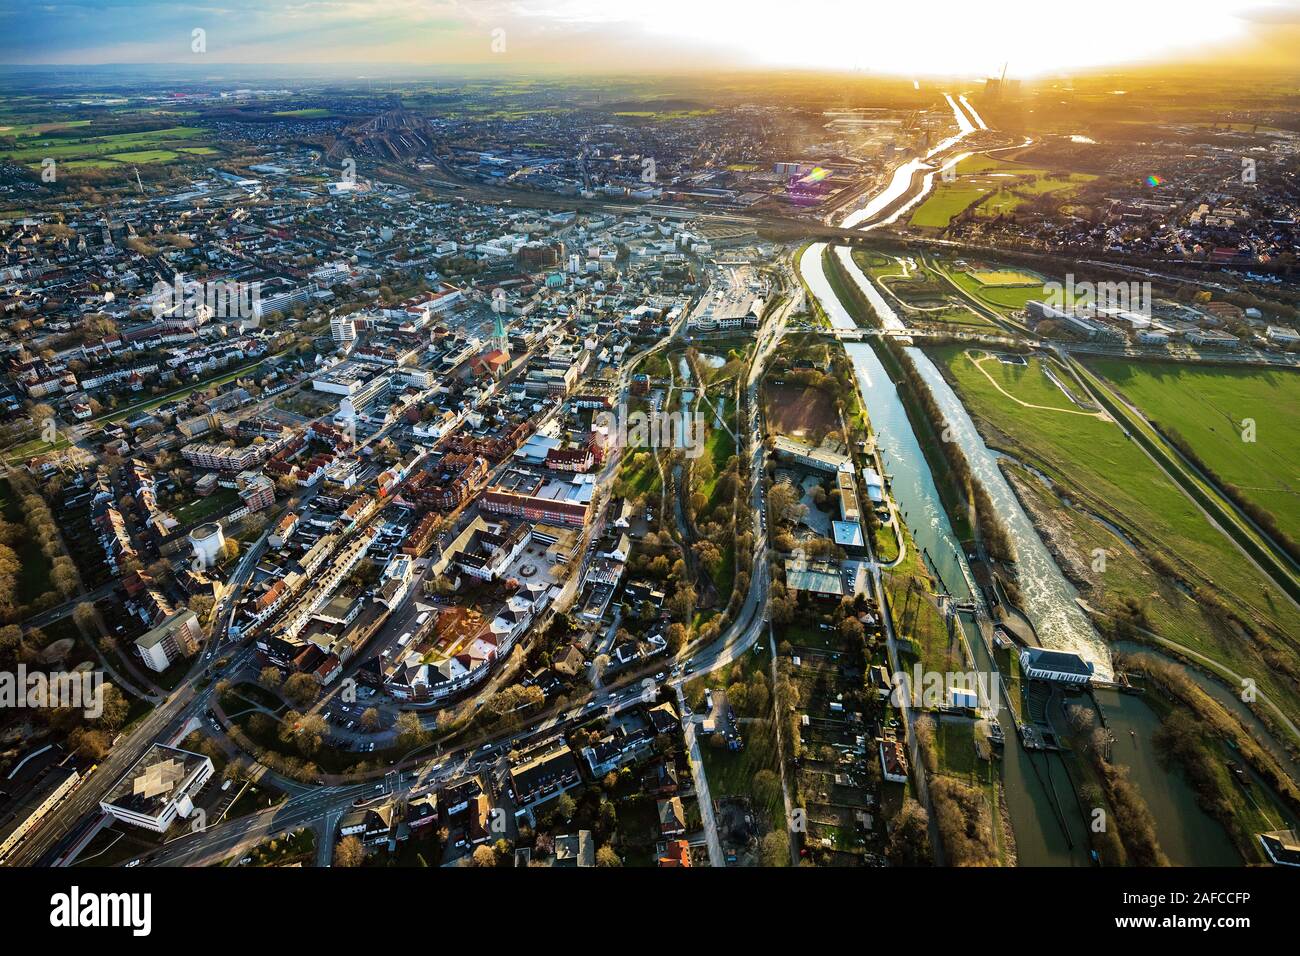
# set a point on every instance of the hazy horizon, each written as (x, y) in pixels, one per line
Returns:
(670, 36)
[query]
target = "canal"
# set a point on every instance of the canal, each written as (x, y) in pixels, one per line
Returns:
(1027, 779)
(1044, 812)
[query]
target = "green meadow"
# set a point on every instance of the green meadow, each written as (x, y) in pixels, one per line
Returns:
(92, 147)
(1100, 469)
(1210, 408)
(1005, 184)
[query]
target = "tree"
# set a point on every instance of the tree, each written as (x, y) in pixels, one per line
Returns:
(349, 852)
(310, 732)
(606, 856)
(370, 719)
(776, 852)
(301, 689)
(676, 637)
(201, 604)
(485, 856)
(785, 504)
(86, 617)
(410, 732)
(564, 806)
(681, 602)
(909, 841)
(113, 709)
(270, 677)
(91, 744)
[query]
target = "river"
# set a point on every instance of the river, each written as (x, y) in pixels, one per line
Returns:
(1042, 807)
(1047, 597)
(1043, 810)
(901, 182)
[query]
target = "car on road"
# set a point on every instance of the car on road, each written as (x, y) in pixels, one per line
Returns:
(660, 676)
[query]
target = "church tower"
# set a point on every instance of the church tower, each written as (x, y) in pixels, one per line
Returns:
(500, 339)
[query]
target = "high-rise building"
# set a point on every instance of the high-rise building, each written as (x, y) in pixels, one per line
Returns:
(176, 637)
(343, 329)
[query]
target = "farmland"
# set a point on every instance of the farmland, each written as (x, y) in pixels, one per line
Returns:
(71, 146)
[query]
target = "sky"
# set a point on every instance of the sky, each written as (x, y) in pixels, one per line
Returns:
(929, 38)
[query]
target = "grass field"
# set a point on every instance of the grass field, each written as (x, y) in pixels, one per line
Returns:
(200, 508)
(639, 473)
(1208, 408)
(917, 618)
(79, 165)
(82, 148)
(946, 201)
(1099, 468)
(1003, 299)
(145, 156)
(1005, 184)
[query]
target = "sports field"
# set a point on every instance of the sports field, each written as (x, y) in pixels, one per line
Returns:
(1211, 409)
(1091, 461)
(1002, 298)
(1005, 277)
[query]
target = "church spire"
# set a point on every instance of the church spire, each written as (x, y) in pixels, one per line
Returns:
(500, 339)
